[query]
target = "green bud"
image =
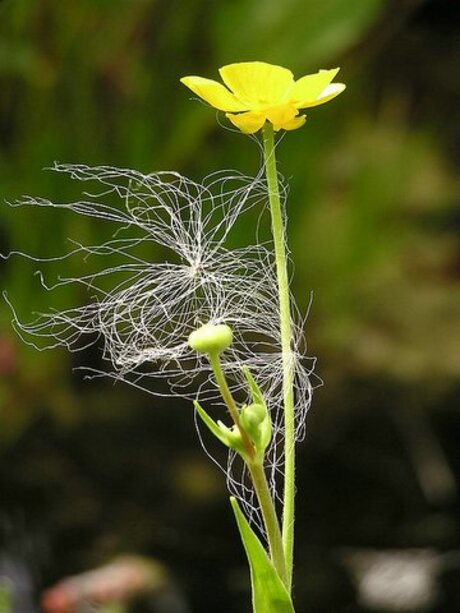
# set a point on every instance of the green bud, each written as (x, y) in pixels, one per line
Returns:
(211, 338)
(256, 422)
(252, 416)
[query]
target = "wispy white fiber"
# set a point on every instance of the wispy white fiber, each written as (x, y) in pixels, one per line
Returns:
(141, 312)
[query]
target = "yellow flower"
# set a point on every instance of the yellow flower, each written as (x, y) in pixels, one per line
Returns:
(257, 92)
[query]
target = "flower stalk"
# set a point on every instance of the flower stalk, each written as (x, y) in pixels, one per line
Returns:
(230, 403)
(279, 241)
(257, 473)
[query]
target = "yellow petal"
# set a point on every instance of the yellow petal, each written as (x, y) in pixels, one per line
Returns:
(308, 88)
(293, 124)
(247, 122)
(214, 93)
(258, 84)
(331, 91)
(281, 114)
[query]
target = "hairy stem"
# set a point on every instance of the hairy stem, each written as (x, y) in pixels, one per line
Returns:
(272, 527)
(230, 402)
(258, 476)
(286, 337)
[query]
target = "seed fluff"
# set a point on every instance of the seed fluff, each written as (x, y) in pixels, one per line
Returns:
(141, 312)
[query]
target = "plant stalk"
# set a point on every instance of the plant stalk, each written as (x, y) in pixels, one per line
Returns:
(258, 476)
(279, 240)
(230, 402)
(272, 527)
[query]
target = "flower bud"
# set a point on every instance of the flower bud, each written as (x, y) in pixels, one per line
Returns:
(211, 338)
(257, 424)
(252, 416)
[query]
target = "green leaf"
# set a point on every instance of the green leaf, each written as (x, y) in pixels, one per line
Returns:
(210, 423)
(256, 392)
(225, 435)
(269, 594)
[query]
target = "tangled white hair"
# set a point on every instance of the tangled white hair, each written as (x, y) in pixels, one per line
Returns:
(142, 312)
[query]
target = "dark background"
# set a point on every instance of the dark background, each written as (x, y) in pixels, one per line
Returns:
(89, 471)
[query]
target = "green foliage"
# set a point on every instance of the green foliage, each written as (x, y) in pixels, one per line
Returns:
(299, 34)
(372, 193)
(91, 82)
(269, 595)
(375, 259)
(98, 82)
(6, 600)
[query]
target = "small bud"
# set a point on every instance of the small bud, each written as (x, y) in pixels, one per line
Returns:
(211, 338)
(256, 422)
(252, 416)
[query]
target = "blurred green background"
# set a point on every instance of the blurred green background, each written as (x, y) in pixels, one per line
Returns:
(89, 471)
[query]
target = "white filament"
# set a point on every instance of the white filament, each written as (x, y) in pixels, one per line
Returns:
(143, 312)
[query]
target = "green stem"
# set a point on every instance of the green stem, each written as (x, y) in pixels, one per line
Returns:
(272, 527)
(230, 402)
(286, 336)
(258, 476)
